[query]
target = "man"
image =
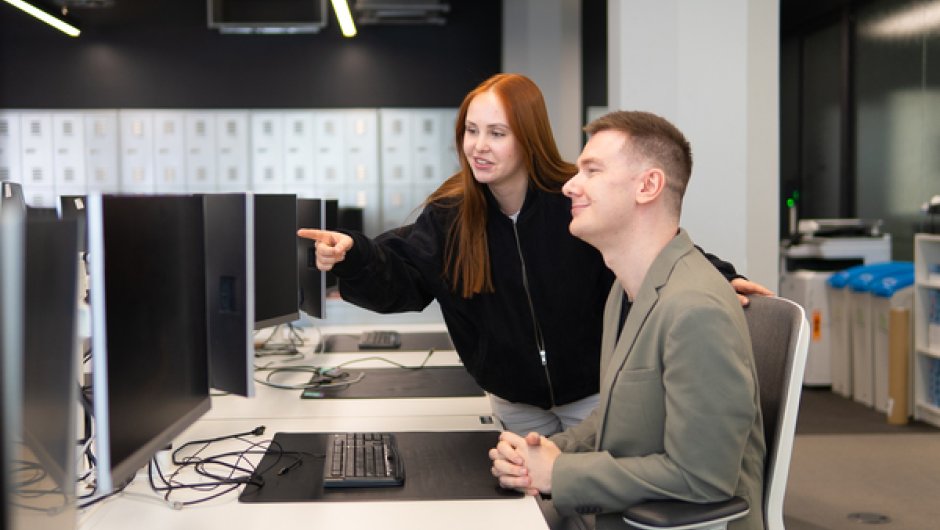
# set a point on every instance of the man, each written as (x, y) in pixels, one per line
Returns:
(679, 416)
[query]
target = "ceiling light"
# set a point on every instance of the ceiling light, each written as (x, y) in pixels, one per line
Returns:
(344, 17)
(918, 19)
(57, 23)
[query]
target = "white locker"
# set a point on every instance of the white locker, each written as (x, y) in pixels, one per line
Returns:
(367, 198)
(36, 152)
(329, 152)
(169, 151)
(231, 137)
(361, 143)
(299, 145)
(101, 151)
(429, 136)
(396, 146)
(68, 143)
(10, 149)
(398, 203)
(136, 153)
(39, 197)
(450, 163)
(267, 152)
(200, 152)
(422, 191)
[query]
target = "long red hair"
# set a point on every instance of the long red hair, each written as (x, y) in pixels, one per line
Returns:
(467, 261)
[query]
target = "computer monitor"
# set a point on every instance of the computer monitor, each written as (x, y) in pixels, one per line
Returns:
(12, 307)
(50, 380)
(38, 385)
(230, 291)
(150, 372)
(11, 196)
(337, 218)
(276, 283)
(311, 213)
(350, 218)
(73, 207)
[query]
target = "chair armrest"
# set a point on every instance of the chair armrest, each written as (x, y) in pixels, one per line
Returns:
(681, 515)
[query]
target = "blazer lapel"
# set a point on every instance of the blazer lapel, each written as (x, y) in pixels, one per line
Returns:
(616, 349)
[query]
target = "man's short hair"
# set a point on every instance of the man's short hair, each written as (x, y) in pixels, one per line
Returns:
(655, 139)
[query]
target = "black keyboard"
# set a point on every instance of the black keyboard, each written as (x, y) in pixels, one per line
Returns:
(362, 460)
(379, 340)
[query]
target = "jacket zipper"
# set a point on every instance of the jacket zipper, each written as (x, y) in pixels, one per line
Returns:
(539, 339)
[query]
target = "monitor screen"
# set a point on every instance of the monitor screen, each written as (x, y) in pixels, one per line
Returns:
(230, 291)
(150, 373)
(50, 381)
(311, 213)
(276, 283)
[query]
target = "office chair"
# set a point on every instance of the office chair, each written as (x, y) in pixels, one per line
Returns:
(780, 340)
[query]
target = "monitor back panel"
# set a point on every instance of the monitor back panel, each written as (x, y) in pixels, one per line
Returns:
(50, 383)
(149, 358)
(230, 291)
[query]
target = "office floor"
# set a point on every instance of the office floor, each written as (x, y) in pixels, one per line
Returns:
(851, 470)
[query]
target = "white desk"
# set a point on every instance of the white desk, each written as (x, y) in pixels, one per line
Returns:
(139, 508)
(281, 403)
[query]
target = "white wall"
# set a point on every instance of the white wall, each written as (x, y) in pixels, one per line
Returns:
(542, 40)
(711, 69)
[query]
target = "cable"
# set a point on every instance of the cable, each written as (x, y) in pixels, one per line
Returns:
(250, 475)
(318, 378)
(170, 484)
(389, 361)
(323, 377)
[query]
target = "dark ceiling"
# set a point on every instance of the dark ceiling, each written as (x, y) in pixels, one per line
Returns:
(796, 15)
(102, 14)
(105, 15)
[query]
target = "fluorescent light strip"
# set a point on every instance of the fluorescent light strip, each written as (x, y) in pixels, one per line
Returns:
(915, 20)
(58, 24)
(343, 16)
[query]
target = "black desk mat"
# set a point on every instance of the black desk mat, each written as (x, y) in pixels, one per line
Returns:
(438, 466)
(430, 381)
(410, 341)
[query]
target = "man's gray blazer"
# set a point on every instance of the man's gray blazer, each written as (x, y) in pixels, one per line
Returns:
(679, 414)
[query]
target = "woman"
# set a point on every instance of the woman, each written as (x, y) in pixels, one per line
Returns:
(522, 298)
